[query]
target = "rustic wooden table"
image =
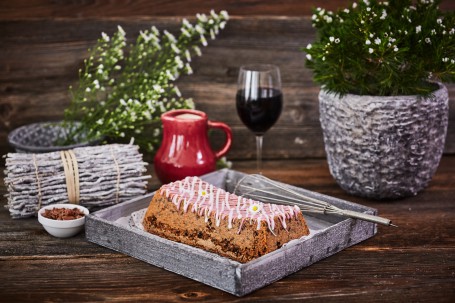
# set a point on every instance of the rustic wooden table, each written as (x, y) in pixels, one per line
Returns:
(412, 263)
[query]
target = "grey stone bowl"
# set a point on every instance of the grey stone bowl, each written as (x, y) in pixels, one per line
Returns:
(384, 147)
(41, 138)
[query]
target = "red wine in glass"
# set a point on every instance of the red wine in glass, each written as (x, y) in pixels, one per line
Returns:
(259, 111)
(259, 101)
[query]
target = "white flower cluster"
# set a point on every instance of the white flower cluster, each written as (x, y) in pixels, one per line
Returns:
(384, 40)
(369, 18)
(121, 91)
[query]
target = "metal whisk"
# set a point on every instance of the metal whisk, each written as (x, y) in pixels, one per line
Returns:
(263, 189)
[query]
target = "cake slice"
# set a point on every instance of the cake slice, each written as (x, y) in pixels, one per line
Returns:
(197, 213)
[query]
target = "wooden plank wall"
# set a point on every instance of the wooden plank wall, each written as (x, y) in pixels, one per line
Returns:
(43, 43)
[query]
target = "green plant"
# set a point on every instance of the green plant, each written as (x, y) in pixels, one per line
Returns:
(123, 89)
(383, 48)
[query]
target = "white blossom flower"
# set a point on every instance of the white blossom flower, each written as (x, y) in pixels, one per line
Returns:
(185, 32)
(186, 23)
(197, 50)
(346, 10)
(155, 31)
(367, 42)
(88, 89)
(170, 75)
(105, 37)
(308, 56)
(337, 40)
(202, 17)
(188, 55)
(395, 49)
(428, 40)
(377, 41)
(332, 39)
(445, 59)
(120, 30)
(178, 61)
(170, 36)
(203, 40)
(177, 91)
(328, 19)
(354, 5)
(224, 14)
(188, 68)
(144, 36)
(255, 208)
(384, 15)
(199, 29)
(100, 121)
(175, 48)
(158, 88)
(370, 50)
(418, 29)
(309, 46)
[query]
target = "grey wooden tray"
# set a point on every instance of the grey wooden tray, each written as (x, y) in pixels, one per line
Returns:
(328, 235)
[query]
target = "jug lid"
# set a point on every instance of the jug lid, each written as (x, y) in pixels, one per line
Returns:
(188, 116)
(184, 115)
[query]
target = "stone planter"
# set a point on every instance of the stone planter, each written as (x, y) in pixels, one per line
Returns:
(41, 138)
(384, 147)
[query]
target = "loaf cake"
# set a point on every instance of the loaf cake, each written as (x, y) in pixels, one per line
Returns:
(197, 213)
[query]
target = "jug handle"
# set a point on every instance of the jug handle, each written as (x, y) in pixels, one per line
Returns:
(227, 144)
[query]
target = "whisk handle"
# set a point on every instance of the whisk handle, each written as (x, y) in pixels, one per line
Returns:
(367, 217)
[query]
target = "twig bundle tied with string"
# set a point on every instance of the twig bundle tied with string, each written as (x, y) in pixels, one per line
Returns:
(263, 189)
(90, 176)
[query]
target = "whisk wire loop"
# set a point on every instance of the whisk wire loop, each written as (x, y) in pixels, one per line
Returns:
(264, 189)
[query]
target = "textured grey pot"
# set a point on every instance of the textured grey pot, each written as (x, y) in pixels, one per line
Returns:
(384, 147)
(41, 138)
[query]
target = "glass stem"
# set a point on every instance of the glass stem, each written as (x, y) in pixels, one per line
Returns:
(259, 139)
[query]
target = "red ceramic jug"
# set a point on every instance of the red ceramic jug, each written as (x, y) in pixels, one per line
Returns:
(185, 149)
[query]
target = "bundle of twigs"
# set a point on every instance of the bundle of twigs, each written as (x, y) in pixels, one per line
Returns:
(264, 189)
(90, 176)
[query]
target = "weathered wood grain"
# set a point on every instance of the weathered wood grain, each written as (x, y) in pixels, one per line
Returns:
(412, 263)
(23, 9)
(39, 59)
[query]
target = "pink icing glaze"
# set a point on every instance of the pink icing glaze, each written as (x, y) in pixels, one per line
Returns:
(202, 198)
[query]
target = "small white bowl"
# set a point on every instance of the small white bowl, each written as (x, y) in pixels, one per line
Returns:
(62, 228)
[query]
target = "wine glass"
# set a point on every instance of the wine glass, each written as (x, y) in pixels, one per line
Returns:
(259, 101)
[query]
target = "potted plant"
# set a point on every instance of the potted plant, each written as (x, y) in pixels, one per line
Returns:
(383, 107)
(124, 88)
